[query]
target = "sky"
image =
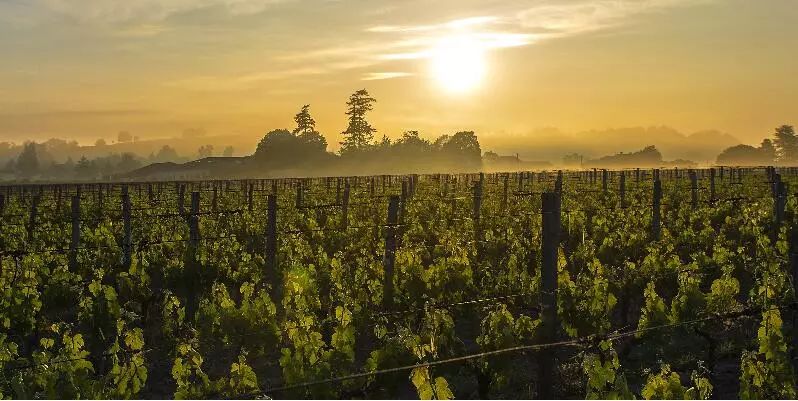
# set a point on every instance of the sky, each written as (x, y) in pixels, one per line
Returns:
(86, 69)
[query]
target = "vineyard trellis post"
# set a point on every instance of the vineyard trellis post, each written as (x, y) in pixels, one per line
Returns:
(345, 206)
(550, 240)
(127, 229)
(693, 190)
(34, 206)
(604, 180)
(712, 185)
(192, 267)
(622, 188)
(299, 200)
(793, 258)
(250, 191)
(779, 204)
(389, 258)
(75, 239)
(181, 192)
(100, 200)
(477, 215)
(505, 190)
(2, 203)
(215, 199)
(273, 272)
(655, 210)
(558, 183)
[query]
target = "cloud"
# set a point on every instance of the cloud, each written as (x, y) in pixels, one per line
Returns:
(123, 11)
(381, 47)
(566, 18)
(240, 82)
(376, 76)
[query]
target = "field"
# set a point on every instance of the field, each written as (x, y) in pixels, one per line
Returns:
(597, 284)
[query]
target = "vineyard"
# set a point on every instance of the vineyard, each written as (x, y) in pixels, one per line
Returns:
(573, 284)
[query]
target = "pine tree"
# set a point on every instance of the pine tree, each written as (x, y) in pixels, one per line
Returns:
(786, 143)
(359, 133)
(28, 160)
(305, 124)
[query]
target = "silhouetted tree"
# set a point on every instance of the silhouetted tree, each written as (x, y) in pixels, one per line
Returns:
(228, 152)
(123, 137)
(573, 159)
(768, 150)
(786, 143)
(281, 148)
(746, 155)
(127, 162)
(166, 154)
(304, 122)
(28, 160)
(359, 133)
(100, 142)
(462, 149)
(205, 151)
(648, 156)
(84, 168)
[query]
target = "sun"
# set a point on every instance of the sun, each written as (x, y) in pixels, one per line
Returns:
(457, 63)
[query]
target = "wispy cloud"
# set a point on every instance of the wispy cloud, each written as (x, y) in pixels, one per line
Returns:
(566, 18)
(242, 81)
(120, 11)
(381, 47)
(376, 76)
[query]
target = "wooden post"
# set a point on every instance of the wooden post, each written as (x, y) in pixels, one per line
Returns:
(345, 207)
(298, 202)
(127, 230)
(100, 200)
(558, 183)
(215, 199)
(192, 267)
(693, 190)
(390, 253)
(774, 186)
(779, 204)
(712, 185)
(637, 175)
(550, 250)
(505, 190)
(75, 240)
(655, 210)
(250, 190)
(622, 189)
(273, 273)
(604, 180)
(793, 255)
(2, 203)
(181, 191)
(34, 206)
(477, 213)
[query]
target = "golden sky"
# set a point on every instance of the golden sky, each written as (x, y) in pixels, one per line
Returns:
(87, 69)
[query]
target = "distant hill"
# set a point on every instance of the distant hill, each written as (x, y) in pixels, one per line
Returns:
(552, 144)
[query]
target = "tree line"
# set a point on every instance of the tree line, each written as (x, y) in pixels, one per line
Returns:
(782, 149)
(304, 148)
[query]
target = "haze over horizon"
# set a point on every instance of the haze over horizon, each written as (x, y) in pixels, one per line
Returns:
(89, 69)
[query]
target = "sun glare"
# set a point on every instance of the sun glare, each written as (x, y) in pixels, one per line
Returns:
(458, 63)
